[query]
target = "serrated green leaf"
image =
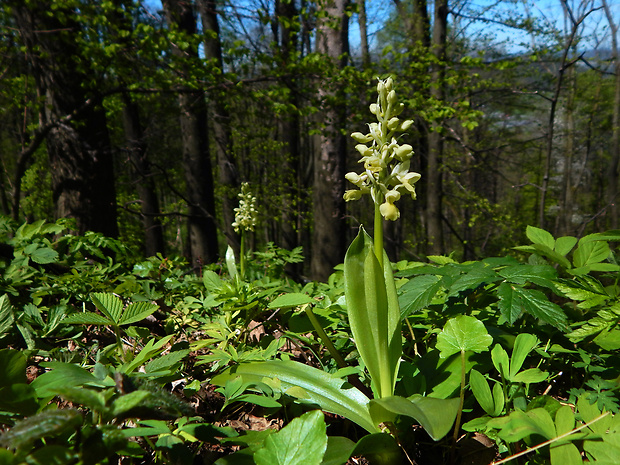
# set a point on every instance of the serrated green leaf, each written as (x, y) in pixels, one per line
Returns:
(211, 281)
(45, 424)
(323, 388)
(127, 402)
(523, 273)
(291, 300)
(86, 318)
(166, 361)
(514, 300)
(473, 279)
(302, 442)
(44, 255)
(461, 334)
(418, 293)
(6, 314)
(108, 304)
(137, 311)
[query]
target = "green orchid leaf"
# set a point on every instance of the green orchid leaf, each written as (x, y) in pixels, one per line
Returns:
(461, 334)
(302, 442)
(322, 388)
(374, 313)
(231, 263)
(380, 448)
(436, 416)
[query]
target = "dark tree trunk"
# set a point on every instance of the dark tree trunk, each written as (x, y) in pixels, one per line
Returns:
(228, 175)
(79, 150)
(329, 238)
(136, 148)
(434, 190)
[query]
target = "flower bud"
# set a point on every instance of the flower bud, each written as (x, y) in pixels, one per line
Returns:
(374, 108)
(406, 125)
(389, 84)
(393, 123)
(353, 178)
(362, 138)
(391, 98)
(380, 87)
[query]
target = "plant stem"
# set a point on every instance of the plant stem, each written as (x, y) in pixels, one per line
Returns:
(242, 255)
(457, 423)
(378, 232)
(324, 337)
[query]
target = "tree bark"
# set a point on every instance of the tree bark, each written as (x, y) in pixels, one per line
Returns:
(228, 174)
(203, 247)
(79, 150)
(361, 11)
(434, 189)
(329, 238)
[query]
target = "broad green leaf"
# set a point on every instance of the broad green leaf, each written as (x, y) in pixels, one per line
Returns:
(256, 399)
(523, 424)
(436, 416)
(564, 420)
(86, 318)
(605, 452)
(500, 360)
(523, 345)
(125, 403)
(46, 424)
(529, 376)
(472, 279)
(61, 376)
(609, 340)
(211, 280)
(6, 314)
(565, 454)
(482, 392)
(137, 311)
(302, 442)
(12, 367)
(338, 450)
(508, 304)
(540, 236)
(565, 244)
(18, 398)
(291, 300)
(152, 347)
(522, 274)
(588, 253)
(380, 448)
(323, 389)
(108, 304)
(85, 397)
(374, 314)
(461, 334)
(44, 255)
(231, 263)
(418, 293)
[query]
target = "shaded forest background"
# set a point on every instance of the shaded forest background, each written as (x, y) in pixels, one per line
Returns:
(141, 120)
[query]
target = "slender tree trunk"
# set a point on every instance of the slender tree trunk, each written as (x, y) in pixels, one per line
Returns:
(329, 238)
(137, 151)
(361, 8)
(612, 173)
(228, 175)
(434, 189)
(79, 150)
(199, 186)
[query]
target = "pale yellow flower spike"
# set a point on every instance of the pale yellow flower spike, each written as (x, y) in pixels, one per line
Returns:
(386, 172)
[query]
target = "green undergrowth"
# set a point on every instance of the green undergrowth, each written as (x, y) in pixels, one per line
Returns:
(107, 357)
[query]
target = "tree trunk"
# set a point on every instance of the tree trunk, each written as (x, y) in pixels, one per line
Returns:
(612, 173)
(228, 175)
(361, 7)
(434, 190)
(79, 150)
(329, 238)
(202, 232)
(136, 148)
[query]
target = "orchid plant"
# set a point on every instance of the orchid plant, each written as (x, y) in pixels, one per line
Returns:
(371, 299)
